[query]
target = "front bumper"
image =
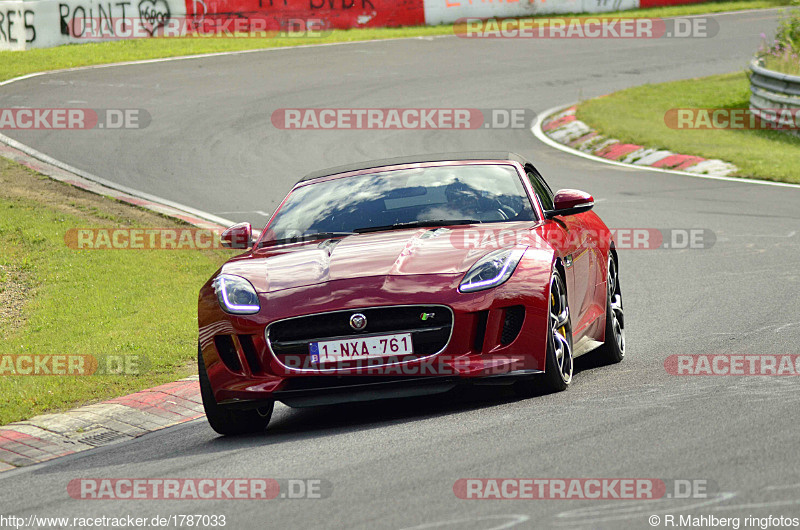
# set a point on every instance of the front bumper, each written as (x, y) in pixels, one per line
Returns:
(244, 370)
(352, 389)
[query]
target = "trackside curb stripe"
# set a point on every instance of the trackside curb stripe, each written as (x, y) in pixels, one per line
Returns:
(536, 129)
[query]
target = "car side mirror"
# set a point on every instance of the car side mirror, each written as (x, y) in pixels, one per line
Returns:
(238, 236)
(570, 202)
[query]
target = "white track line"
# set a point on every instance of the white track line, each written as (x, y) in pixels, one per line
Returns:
(213, 54)
(112, 185)
(536, 129)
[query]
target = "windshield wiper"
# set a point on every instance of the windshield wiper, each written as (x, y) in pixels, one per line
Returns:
(307, 237)
(417, 224)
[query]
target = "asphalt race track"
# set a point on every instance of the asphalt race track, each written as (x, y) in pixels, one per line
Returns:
(393, 464)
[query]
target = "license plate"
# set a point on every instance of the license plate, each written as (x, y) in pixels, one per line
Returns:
(361, 348)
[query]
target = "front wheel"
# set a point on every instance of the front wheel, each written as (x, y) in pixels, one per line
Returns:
(613, 349)
(558, 359)
(558, 363)
(226, 421)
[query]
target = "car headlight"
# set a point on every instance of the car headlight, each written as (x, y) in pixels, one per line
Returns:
(236, 295)
(494, 269)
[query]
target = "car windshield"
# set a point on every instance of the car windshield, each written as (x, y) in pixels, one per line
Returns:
(390, 200)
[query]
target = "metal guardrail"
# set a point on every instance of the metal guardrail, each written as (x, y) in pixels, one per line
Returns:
(773, 91)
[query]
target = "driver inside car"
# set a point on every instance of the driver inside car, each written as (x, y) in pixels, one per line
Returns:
(471, 204)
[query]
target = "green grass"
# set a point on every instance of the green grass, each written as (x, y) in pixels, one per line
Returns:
(785, 64)
(100, 303)
(783, 54)
(13, 64)
(636, 115)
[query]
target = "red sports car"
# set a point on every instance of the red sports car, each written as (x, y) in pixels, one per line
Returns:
(407, 277)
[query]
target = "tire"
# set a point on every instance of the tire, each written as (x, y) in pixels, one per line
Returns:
(558, 359)
(613, 349)
(226, 421)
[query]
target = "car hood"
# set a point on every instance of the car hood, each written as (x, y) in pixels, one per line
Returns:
(391, 253)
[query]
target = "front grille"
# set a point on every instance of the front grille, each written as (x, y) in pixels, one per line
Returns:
(430, 328)
(512, 325)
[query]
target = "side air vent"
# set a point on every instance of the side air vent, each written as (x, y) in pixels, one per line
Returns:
(480, 330)
(512, 325)
(227, 352)
(250, 354)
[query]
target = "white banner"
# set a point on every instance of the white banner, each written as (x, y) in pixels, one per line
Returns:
(44, 23)
(447, 11)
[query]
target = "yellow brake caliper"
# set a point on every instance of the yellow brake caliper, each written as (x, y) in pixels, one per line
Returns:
(562, 329)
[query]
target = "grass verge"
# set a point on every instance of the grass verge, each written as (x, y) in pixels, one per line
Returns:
(783, 54)
(636, 115)
(136, 304)
(17, 63)
(786, 63)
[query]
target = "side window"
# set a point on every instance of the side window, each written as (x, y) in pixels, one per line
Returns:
(541, 188)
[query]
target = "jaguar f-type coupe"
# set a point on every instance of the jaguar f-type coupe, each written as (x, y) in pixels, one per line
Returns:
(408, 277)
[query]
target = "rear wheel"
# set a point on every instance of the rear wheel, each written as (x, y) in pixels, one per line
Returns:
(613, 349)
(226, 421)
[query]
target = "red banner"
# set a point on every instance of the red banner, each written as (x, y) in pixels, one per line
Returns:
(292, 15)
(658, 3)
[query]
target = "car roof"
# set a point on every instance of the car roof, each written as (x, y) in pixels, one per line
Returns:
(417, 159)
